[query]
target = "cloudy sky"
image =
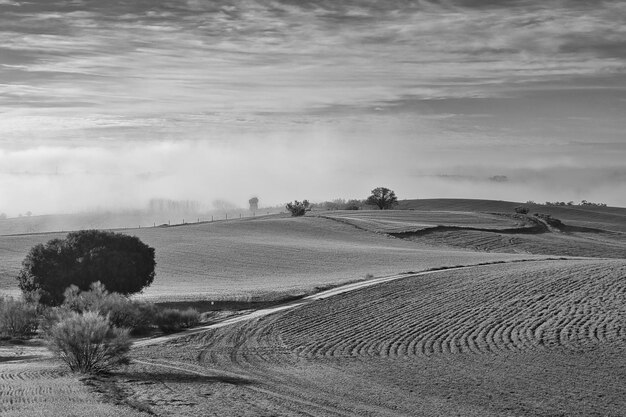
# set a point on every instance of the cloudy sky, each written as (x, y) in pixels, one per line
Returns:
(110, 103)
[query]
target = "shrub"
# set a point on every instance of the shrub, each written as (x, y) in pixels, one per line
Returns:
(121, 262)
(172, 320)
(298, 208)
(137, 316)
(18, 319)
(521, 210)
(88, 343)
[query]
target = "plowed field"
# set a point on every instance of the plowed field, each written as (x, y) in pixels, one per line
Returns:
(537, 338)
(32, 389)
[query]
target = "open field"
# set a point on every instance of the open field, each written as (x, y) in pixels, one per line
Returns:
(535, 338)
(558, 243)
(490, 232)
(262, 257)
(523, 337)
(397, 221)
(606, 218)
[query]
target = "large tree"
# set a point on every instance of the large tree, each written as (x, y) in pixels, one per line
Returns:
(124, 264)
(383, 198)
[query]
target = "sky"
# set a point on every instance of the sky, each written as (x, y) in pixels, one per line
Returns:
(107, 104)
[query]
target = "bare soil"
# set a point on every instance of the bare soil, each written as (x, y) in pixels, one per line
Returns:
(523, 339)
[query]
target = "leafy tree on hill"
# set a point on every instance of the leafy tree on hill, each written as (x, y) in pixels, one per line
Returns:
(122, 263)
(383, 198)
(298, 208)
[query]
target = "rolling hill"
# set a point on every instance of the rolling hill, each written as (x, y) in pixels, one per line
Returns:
(517, 339)
(261, 258)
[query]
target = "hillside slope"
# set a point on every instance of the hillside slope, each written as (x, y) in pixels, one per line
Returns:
(261, 257)
(521, 339)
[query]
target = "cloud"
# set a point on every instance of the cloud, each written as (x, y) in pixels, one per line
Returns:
(326, 85)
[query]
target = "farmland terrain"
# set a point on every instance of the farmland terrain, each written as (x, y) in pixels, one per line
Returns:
(532, 338)
(265, 258)
(497, 232)
(539, 329)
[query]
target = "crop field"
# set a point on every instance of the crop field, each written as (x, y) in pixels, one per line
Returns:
(261, 258)
(486, 232)
(532, 338)
(605, 218)
(396, 221)
(593, 244)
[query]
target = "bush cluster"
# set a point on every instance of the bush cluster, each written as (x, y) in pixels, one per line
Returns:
(569, 203)
(136, 316)
(172, 320)
(18, 319)
(340, 204)
(90, 330)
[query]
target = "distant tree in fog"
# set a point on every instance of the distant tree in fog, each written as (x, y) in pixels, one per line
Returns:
(29, 213)
(383, 198)
(3, 216)
(223, 205)
(254, 203)
(353, 205)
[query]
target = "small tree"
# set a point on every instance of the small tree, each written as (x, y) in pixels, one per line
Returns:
(254, 203)
(521, 210)
(298, 208)
(383, 198)
(122, 263)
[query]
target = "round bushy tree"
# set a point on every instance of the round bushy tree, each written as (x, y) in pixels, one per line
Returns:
(383, 198)
(298, 208)
(122, 263)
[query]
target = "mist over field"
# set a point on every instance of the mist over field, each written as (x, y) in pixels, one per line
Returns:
(106, 105)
